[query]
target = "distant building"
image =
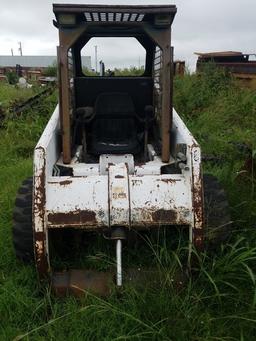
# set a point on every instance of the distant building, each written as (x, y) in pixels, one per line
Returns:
(33, 63)
(241, 65)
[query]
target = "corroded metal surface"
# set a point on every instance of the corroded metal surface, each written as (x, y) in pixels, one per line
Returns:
(238, 63)
(44, 156)
(157, 200)
(194, 177)
(197, 197)
(83, 202)
(79, 282)
(39, 198)
(116, 191)
(120, 200)
(162, 216)
(136, 201)
(67, 38)
(78, 217)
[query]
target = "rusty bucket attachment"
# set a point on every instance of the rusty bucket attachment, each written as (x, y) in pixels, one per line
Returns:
(78, 282)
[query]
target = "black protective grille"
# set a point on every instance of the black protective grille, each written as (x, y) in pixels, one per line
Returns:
(157, 74)
(113, 17)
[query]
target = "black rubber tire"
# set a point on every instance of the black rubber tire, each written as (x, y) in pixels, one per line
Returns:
(22, 223)
(218, 225)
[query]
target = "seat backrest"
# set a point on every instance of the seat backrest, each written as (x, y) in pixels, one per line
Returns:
(113, 128)
(114, 104)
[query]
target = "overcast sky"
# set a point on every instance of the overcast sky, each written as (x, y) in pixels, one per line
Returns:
(200, 25)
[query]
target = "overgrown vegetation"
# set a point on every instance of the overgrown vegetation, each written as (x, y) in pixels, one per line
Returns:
(12, 77)
(218, 303)
(131, 71)
(10, 93)
(51, 70)
(221, 114)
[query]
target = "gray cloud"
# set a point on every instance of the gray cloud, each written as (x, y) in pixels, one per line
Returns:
(200, 25)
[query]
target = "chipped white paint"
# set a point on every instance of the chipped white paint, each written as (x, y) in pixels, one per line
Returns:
(81, 169)
(119, 205)
(108, 159)
(162, 199)
(197, 187)
(79, 194)
(45, 155)
(114, 192)
(129, 204)
(39, 194)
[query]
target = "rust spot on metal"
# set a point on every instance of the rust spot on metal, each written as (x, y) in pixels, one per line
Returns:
(121, 195)
(197, 194)
(163, 216)
(39, 192)
(237, 63)
(65, 182)
(198, 199)
(39, 216)
(198, 239)
(169, 181)
(73, 218)
(150, 217)
(40, 256)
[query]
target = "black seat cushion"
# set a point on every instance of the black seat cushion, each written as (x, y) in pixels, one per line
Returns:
(114, 127)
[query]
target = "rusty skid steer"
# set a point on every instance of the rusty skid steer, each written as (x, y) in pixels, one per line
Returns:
(115, 156)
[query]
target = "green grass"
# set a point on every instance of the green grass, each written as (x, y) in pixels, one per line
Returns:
(218, 303)
(221, 114)
(11, 93)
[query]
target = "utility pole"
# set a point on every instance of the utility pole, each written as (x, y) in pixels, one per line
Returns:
(12, 52)
(20, 48)
(96, 58)
(102, 69)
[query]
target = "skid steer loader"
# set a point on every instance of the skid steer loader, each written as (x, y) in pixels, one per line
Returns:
(115, 156)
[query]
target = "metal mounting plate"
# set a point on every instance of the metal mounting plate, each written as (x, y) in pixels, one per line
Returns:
(109, 159)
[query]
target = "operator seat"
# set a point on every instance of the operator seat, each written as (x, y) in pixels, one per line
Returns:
(114, 127)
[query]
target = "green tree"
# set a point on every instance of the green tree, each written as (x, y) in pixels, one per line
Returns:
(12, 77)
(51, 70)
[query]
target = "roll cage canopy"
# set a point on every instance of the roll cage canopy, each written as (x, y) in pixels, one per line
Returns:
(150, 25)
(68, 14)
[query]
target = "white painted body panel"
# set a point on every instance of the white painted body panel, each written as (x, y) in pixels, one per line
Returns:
(148, 198)
(99, 201)
(85, 199)
(119, 194)
(161, 199)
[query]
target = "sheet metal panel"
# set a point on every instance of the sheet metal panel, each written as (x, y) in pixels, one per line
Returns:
(78, 202)
(137, 201)
(157, 200)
